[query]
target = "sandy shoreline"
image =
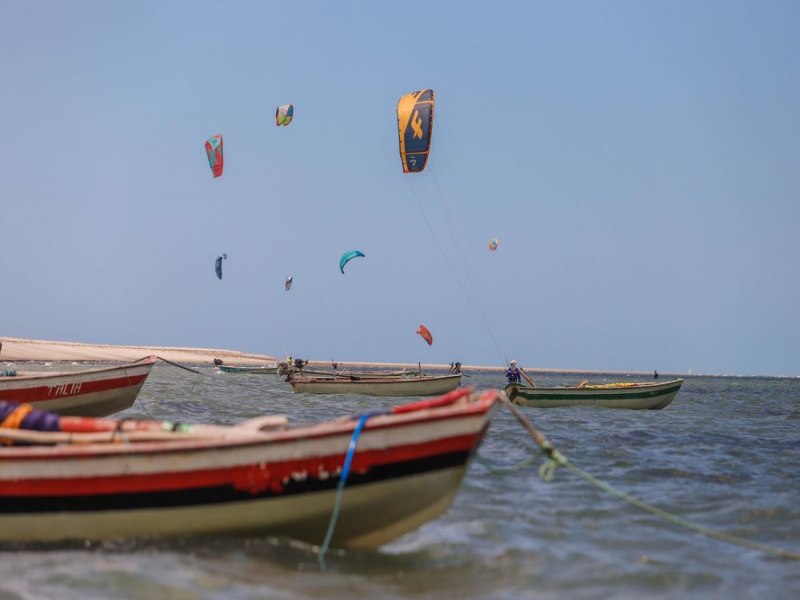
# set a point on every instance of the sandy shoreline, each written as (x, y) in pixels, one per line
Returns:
(22, 349)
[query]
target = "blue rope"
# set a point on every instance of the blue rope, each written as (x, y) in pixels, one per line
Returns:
(348, 460)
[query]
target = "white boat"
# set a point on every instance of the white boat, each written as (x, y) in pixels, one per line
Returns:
(88, 392)
(609, 395)
(148, 479)
(411, 385)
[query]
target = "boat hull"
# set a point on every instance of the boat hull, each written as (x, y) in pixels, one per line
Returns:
(405, 471)
(394, 386)
(653, 396)
(87, 393)
(371, 515)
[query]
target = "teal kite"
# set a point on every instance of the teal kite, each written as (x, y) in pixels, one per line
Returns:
(347, 257)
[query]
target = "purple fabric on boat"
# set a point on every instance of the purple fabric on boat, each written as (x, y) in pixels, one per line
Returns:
(42, 420)
(37, 420)
(6, 408)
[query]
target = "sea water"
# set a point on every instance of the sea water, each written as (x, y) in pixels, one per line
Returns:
(725, 455)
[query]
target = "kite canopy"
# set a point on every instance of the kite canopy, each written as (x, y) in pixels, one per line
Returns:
(426, 335)
(493, 244)
(284, 114)
(414, 124)
(347, 257)
(214, 152)
(288, 283)
(218, 264)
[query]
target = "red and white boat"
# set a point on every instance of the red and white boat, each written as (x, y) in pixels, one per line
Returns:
(150, 479)
(89, 392)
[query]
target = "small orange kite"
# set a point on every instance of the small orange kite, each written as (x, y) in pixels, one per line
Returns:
(426, 335)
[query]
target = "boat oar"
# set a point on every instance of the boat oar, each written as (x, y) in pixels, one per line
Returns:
(525, 375)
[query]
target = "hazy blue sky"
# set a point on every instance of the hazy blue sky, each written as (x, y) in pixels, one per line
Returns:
(638, 162)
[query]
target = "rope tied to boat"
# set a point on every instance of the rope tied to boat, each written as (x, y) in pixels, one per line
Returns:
(174, 364)
(337, 503)
(556, 459)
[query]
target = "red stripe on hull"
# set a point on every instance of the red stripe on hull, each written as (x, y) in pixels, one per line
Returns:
(252, 478)
(73, 389)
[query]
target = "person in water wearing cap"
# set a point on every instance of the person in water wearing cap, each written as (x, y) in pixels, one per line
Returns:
(513, 373)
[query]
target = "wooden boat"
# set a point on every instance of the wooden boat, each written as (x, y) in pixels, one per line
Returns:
(609, 395)
(260, 370)
(144, 479)
(413, 385)
(88, 392)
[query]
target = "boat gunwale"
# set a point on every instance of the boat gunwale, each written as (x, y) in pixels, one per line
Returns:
(481, 405)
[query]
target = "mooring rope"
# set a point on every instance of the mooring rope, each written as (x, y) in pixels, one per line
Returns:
(556, 459)
(337, 503)
(185, 368)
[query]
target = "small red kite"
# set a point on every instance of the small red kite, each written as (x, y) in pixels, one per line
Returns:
(426, 335)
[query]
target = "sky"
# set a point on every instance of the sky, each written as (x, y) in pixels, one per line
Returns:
(637, 161)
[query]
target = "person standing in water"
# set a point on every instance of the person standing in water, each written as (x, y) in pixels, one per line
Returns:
(513, 373)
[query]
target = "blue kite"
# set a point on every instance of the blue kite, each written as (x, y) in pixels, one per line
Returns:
(218, 265)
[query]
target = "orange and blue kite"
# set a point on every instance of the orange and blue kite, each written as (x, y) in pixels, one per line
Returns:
(414, 124)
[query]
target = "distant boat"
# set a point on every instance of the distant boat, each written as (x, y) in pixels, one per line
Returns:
(608, 395)
(271, 370)
(88, 392)
(149, 479)
(410, 385)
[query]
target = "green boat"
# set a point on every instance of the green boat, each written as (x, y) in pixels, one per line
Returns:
(634, 395)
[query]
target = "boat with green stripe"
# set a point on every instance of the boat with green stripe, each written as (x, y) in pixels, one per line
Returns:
(636, 395)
